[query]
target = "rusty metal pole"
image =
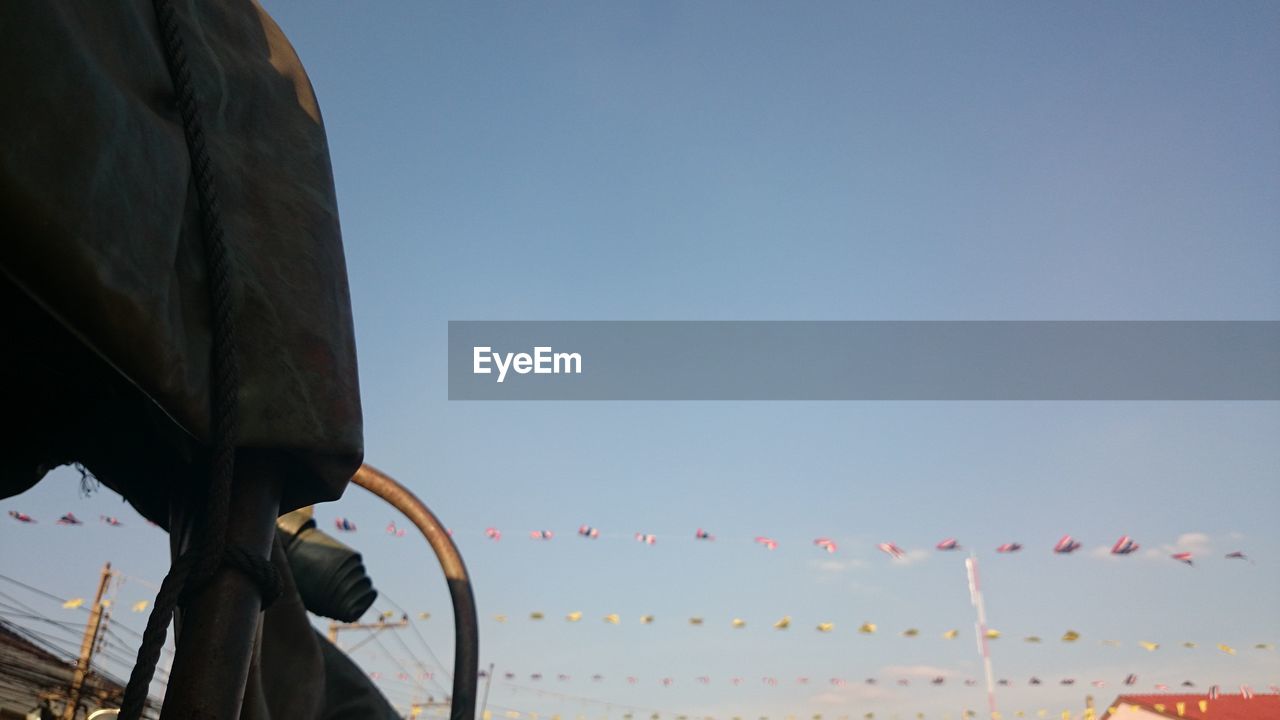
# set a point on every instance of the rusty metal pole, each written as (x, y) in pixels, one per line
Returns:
(217, 628)
(87, 646)
(466, 657)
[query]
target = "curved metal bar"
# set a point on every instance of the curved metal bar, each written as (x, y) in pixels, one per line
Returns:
(466, 654)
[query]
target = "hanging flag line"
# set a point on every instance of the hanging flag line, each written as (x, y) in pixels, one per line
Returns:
(786, 622)
(1180, 705)
(1066, 545)
(1130, 681)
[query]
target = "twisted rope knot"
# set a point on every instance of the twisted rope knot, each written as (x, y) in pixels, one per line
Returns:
(260, 571)
(256, 568)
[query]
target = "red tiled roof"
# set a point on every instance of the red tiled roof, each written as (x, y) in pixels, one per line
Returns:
(1225, 707)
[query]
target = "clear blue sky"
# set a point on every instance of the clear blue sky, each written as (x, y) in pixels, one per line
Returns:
(773, 161)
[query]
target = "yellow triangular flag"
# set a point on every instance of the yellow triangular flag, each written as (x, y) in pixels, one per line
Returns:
(695, 621)
(73, 603)
(867, 628)
(140, 606)
(1149, 646)
(388, 614)
(784, 623)
(574, 616)
(1070, 636)
(500, 618)
(424, 616)
(950, 634)
(993, 634)
(612, 619)
(1227, 649)
(826, 627)
(536, 615)
(739, 623)
(106, 603)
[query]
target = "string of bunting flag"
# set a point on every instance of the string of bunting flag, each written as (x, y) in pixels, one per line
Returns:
(1129, 681)
(1176, 706)
(786, 622)
(1065, 545)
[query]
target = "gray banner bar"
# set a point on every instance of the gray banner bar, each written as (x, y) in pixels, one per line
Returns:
(857, 360)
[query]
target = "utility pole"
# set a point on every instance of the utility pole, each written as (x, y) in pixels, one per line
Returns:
(488, 678)
(87, 646)
(975, 595)
(335, 627)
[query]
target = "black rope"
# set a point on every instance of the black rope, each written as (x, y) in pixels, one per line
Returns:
(208, 550)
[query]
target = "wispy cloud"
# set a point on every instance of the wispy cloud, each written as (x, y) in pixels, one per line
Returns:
(1197, 543)
(1104, 552)
(912, 557)
(836, 566)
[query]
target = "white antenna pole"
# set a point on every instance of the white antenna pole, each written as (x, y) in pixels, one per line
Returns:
(975, 595)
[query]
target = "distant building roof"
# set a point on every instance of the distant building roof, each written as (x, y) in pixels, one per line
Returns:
(31, 670)
(1187, 707)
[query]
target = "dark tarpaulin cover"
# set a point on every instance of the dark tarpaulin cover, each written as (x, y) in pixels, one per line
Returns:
(99, 220)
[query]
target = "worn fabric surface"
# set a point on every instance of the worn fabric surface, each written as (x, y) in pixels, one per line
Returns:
(330, 575)
(99, 219)
(299, 675)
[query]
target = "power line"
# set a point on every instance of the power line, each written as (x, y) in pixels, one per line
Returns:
(400, 665)
(430, 653)
(416, 661)
(583, 699)
(35, 590)
(99, 643)
(21, 605)
(15, 613)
